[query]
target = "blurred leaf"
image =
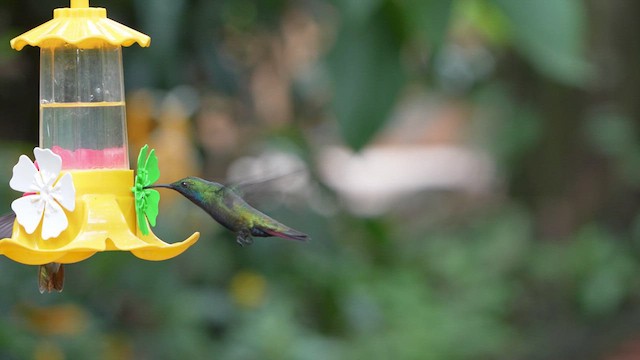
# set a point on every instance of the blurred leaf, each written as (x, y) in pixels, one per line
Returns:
(485, 18)
(423, 323)
(239, 14)
(614, 135)
(551, 34)
(162, 20)
(604, 268)
(607, 287)
(611, 134)
(429, 18)
(367, 75)
(359, 11)
(503, 126)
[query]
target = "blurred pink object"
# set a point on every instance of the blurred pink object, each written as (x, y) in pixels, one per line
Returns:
(110, 158)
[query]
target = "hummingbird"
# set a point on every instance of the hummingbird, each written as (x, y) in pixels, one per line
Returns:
(51, 275)
(231, 211)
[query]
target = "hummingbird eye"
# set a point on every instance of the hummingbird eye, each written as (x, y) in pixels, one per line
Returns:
(185, 184)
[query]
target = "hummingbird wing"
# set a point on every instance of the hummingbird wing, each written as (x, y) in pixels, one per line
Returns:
(262, 181)
(6, 225)
(266, 188)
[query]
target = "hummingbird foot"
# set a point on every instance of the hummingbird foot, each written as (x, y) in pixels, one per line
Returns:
(244, 238)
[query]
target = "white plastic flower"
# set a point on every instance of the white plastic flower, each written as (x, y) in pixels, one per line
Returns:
(44, 197)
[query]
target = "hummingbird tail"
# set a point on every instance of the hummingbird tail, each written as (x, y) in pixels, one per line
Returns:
(288, 233)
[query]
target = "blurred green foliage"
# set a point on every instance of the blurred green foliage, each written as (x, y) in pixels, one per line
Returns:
(541, 266)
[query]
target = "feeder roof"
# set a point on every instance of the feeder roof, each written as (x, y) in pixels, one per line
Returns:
(82, 26)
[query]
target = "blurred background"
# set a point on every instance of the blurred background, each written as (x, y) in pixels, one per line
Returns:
(469, 171)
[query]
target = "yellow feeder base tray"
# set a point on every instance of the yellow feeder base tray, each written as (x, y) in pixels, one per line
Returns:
(104, 220)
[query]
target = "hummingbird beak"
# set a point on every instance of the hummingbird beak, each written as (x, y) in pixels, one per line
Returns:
(168, 186)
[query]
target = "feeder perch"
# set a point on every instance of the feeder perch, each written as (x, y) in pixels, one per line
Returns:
(78, 196)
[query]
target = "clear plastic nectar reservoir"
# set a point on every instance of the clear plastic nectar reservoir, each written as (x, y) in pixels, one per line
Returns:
(82, 108)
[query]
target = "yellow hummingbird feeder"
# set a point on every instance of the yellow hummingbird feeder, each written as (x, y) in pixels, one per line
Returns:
(79, 196)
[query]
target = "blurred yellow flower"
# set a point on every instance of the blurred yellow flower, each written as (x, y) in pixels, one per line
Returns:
(65, 319)
(248, 289)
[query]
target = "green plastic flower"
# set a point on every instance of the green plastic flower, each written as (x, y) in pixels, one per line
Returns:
(147, 200)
